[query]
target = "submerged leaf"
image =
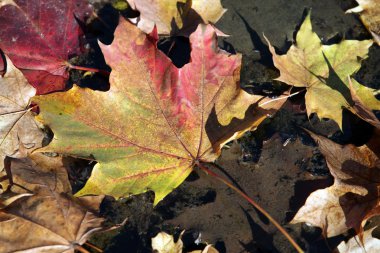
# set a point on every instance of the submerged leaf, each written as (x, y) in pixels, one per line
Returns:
(176, 17)
(40, 36)
(369, 11)
(355, 195)
(20, 133)
(323, 70)
(157, 121)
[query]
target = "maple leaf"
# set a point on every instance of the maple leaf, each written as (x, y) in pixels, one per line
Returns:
(370, 244)
(20, 133)
(176, 17)
(323, 70)
(40, 36)
(354, 197)
(369, 11)
(157, 121)
(50, 220)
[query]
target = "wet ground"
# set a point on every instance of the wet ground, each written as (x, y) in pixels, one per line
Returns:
(278, 165)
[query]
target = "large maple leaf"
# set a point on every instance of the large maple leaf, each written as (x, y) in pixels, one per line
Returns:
(157, 121)
(20, 133)
(176, 17)
(40, 36)
(323, 70)
(51, 220)
(355, 195)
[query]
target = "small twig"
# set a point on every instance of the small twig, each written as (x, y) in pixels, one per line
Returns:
(272, 100)
(252, 202)
(93, 246)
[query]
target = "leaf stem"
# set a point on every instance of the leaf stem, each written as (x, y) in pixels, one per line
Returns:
(272, 100)
(252, 202)
(93, 246)
(102, 71)
(81, 249)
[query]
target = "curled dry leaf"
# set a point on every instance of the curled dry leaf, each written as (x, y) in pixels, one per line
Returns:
(323, 70)
(369, 11)
(370, 244)
(40, 36)
(180, 17)
(354, 197)
(19, 132)
(157, 121)
(50, 220)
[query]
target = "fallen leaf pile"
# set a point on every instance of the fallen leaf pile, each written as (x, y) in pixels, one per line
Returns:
(158, 122)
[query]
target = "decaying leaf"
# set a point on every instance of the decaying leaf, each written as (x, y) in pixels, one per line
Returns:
(370, 244)
(19, 132)
(369, 11)
(323, 70)
(40, 36)
(157, 121)
(180, 17)
(50, 220)
(164, 243)
(353, 198)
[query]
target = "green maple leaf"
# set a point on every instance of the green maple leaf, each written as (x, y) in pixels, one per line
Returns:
(324, 71)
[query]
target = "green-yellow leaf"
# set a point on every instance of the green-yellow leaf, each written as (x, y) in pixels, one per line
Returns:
(157, 121)
(323, 70)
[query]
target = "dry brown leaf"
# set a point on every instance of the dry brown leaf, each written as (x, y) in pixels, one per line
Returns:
(19, 132)
(370, 244)
(369, 11)
(50, 220)
(353, 198)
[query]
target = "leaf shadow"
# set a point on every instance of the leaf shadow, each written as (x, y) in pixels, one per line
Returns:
(259, 45)
(217, 132)
(335, 82)
(356, 207)
(261, 238)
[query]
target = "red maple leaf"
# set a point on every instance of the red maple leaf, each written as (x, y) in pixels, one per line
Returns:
(40, 36)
